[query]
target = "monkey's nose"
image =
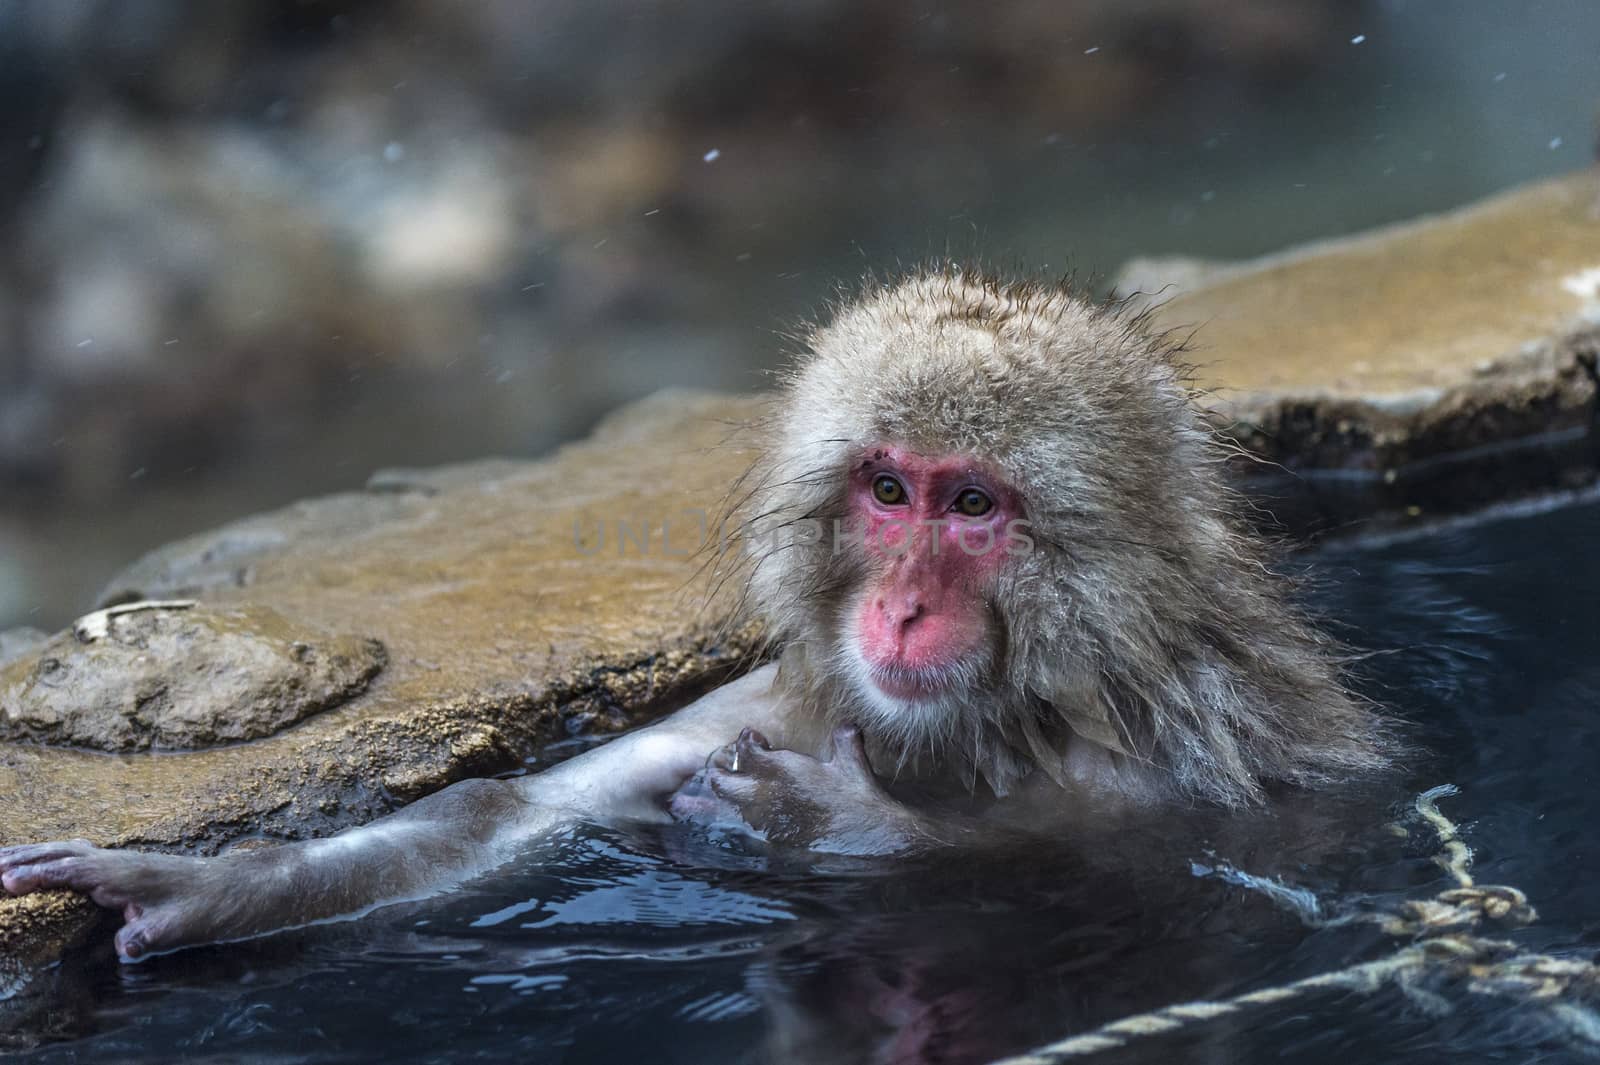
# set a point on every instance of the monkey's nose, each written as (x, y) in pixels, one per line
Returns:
(904, 612)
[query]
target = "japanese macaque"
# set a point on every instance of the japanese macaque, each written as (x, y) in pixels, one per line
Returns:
(991, 545)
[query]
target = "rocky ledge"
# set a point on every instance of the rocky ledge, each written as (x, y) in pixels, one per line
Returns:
(374, 646)
(1423, 367)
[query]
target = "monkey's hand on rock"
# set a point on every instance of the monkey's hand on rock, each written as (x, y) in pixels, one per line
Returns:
(165, 904)
(833, 804)
(171, 901)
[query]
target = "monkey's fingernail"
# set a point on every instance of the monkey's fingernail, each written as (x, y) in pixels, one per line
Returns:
(749, 737)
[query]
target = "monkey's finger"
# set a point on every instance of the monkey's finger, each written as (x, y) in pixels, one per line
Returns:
(31, 853)
(751, 740)
(130, 943)
(695, 801)
(848, 750)
(142, 936)
(72, 872)
(734, 787)
(724, 757)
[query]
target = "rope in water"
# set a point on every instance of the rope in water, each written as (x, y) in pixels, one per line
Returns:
(1444, 946)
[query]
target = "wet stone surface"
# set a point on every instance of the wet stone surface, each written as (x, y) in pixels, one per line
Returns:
(1437, 364)
(178, 676)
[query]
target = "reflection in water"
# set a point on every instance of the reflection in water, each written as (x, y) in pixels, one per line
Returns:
(665, 946)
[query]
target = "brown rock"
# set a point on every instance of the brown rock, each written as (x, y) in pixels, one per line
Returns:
(1454, 354)
(512, 610)
(179, 675)
(34, 930)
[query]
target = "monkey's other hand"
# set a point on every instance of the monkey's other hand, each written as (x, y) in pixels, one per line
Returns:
(833, 804)
(159, 894)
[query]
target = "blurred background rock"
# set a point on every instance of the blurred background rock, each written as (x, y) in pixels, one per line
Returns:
(251, 251)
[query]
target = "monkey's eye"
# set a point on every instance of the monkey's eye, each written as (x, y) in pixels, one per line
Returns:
(888, 491)
(973, 503)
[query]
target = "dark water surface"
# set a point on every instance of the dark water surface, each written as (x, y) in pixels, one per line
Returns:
(606, 946)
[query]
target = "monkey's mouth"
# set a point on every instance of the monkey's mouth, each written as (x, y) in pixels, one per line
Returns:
(909, 685)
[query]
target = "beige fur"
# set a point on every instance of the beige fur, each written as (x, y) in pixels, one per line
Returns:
(1145, 620)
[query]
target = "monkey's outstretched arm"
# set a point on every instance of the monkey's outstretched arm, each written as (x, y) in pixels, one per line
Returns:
(169, 901)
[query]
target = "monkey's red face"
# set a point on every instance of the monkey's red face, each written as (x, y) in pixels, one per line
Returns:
(939, 531)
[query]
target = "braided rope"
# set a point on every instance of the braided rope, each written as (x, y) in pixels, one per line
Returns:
(1440, 927)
